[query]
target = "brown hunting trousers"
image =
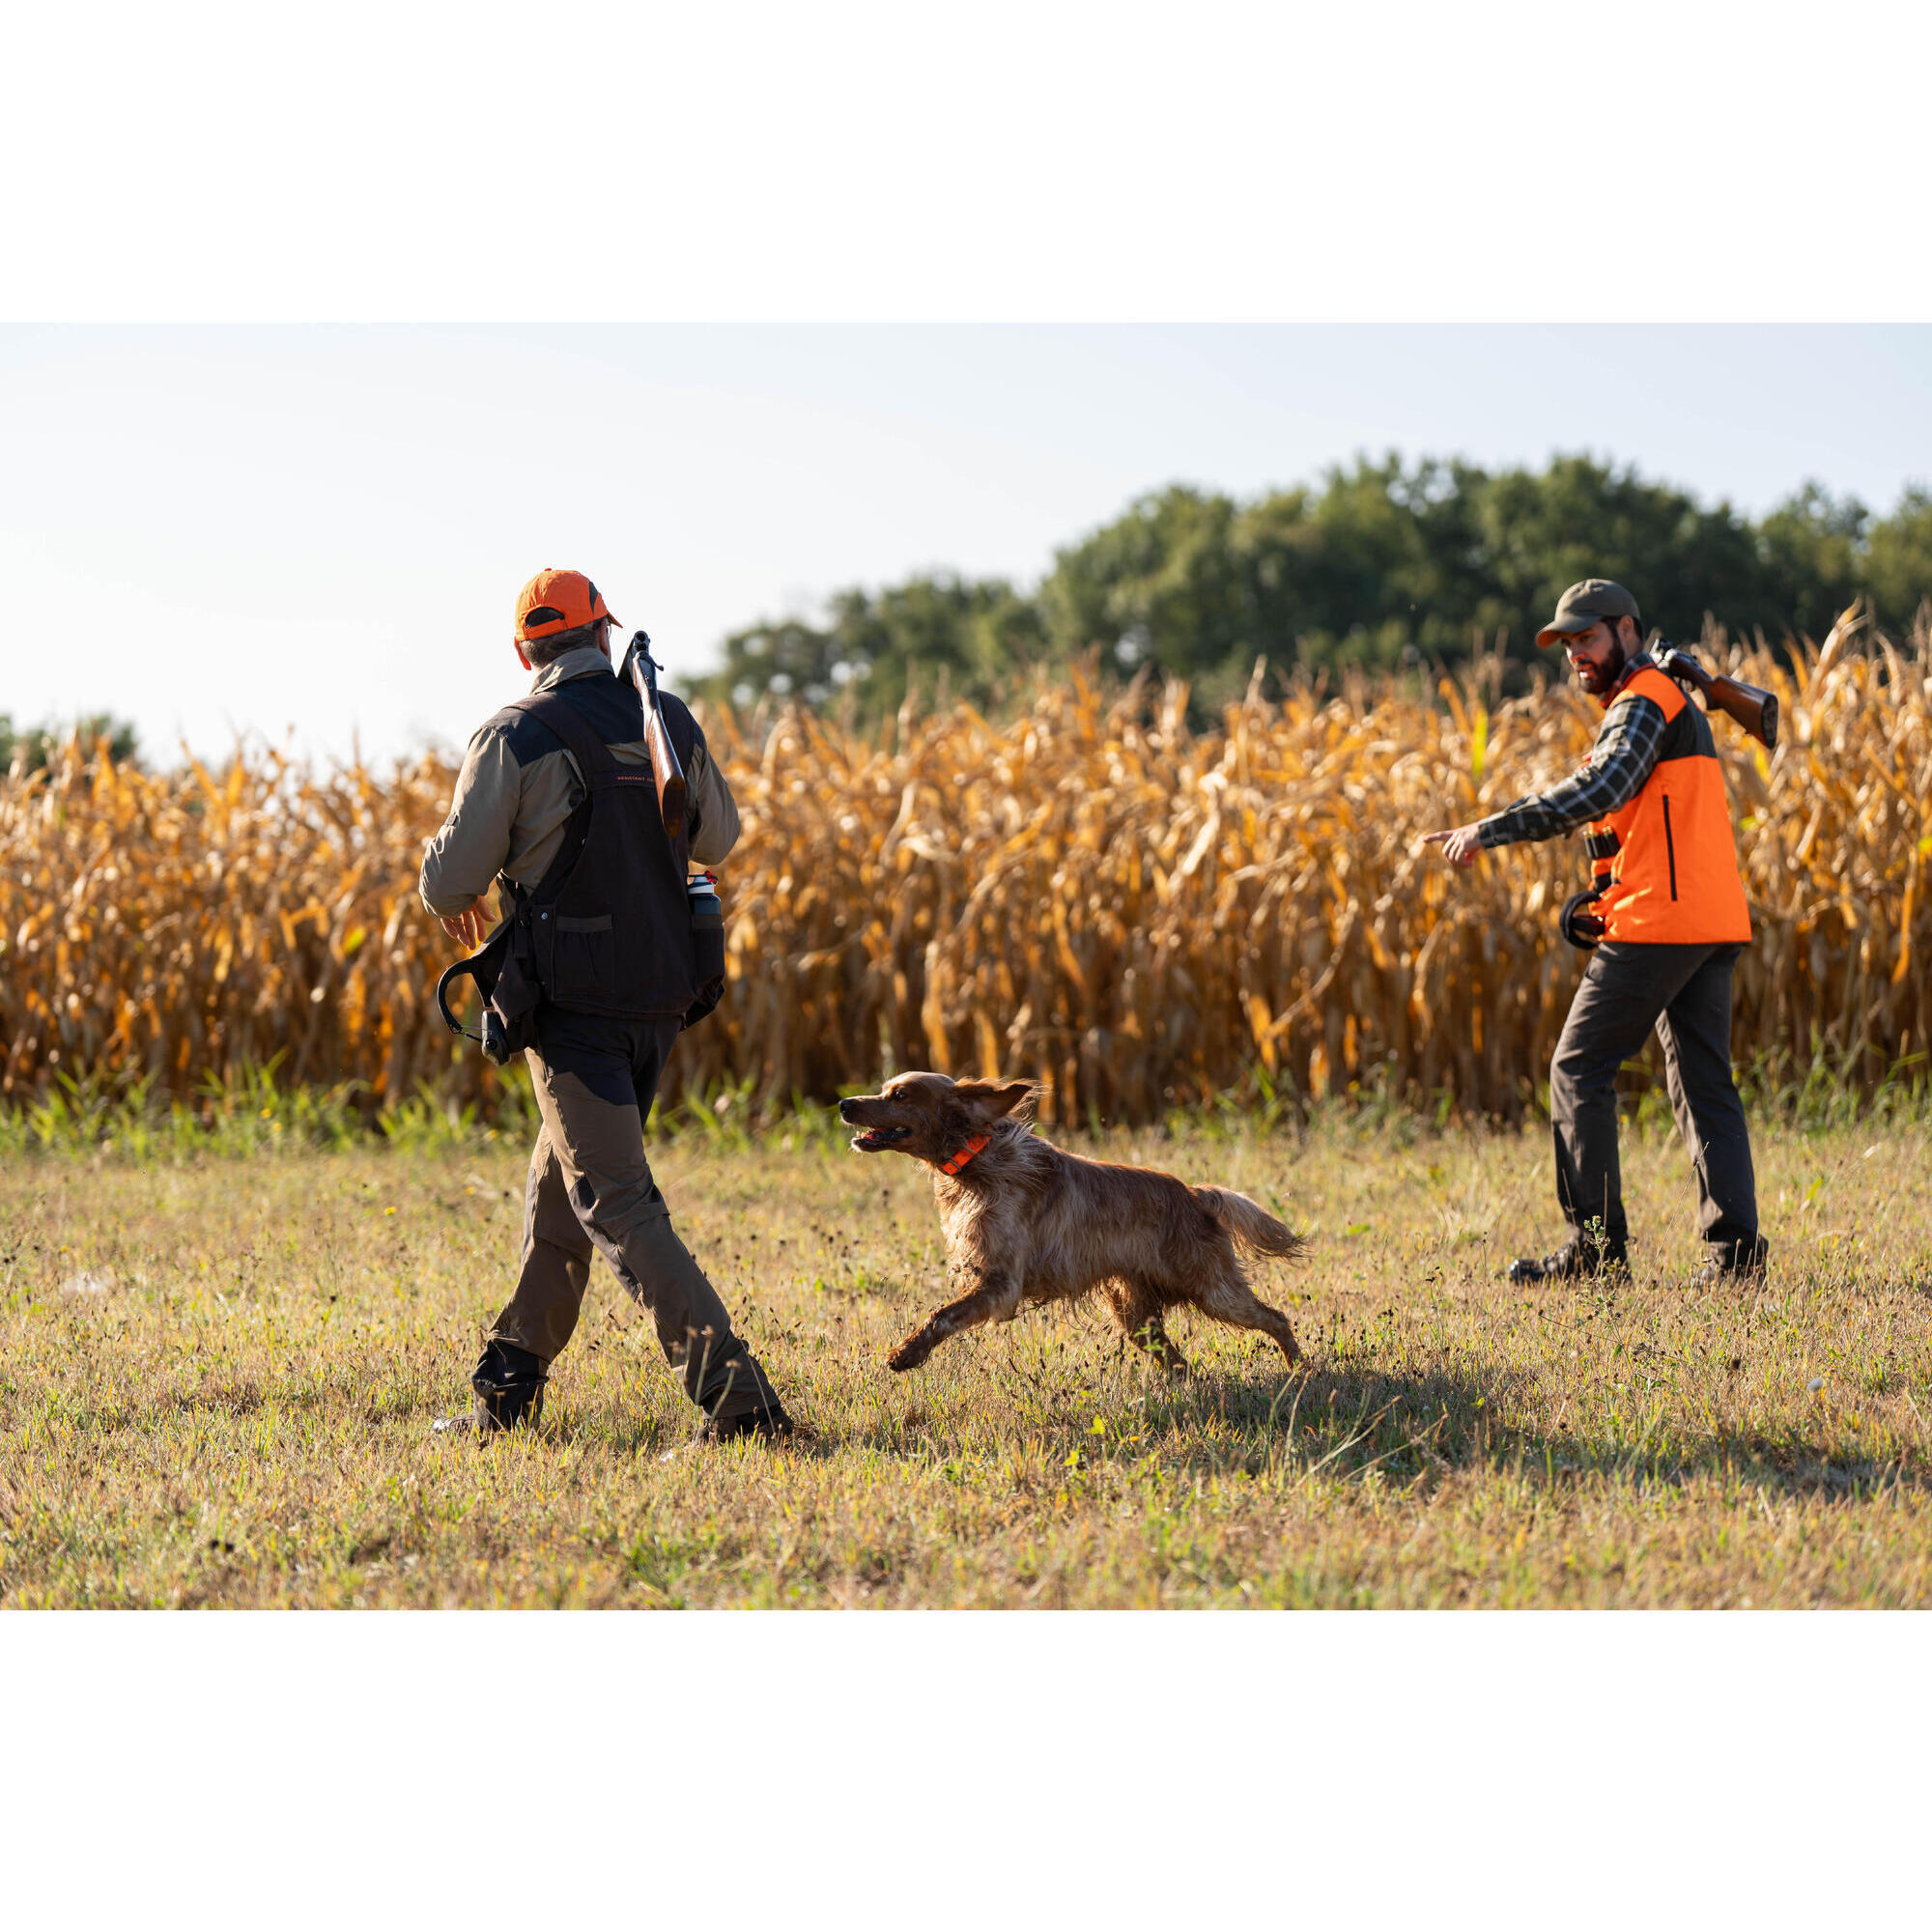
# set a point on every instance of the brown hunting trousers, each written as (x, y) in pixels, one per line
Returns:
(590, 1190)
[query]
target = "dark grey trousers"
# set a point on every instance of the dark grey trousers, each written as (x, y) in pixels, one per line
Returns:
(1684, 992)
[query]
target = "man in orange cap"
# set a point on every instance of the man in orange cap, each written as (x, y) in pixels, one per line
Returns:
(556, 804)
(1666, 920)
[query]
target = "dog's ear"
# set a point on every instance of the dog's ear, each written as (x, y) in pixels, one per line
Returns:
(989, 1100)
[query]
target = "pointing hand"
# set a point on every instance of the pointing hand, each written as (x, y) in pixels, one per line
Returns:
(1459, 846)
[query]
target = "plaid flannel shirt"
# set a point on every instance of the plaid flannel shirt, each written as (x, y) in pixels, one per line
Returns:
(1622, 759)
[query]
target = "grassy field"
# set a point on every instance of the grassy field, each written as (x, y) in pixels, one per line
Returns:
(218, 1375)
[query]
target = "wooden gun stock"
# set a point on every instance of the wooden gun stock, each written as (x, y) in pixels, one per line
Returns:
(1751, 706)
(665, 767)
(670, 776)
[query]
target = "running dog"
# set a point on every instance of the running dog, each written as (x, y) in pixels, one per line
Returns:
(1027, 1222)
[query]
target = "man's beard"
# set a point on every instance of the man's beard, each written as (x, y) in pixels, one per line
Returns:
(1600, 683)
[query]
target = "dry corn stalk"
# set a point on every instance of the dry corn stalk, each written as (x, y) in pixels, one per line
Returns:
(1135, 914)
(192, 923)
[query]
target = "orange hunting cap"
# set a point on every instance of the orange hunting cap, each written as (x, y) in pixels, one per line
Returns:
(557, 600)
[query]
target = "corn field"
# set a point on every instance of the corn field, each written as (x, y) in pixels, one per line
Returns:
(1137, 915)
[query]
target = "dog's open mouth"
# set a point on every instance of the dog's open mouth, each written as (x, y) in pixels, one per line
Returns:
(872, 1139)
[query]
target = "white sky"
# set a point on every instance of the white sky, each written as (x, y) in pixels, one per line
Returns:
(324, 528)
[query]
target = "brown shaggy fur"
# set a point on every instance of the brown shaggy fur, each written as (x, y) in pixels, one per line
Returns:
(1027, 1222)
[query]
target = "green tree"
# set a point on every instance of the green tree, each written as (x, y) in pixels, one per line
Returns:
(981, 634)
(32, 745)
(1339, 576)
(1538, 533)
(1898, 562)
(1380, 564)
(1385, 563)
(1160, 582)
(1810, 544)
(1200, 586)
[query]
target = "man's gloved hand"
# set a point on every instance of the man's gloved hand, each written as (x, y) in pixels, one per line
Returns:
(1583, 929)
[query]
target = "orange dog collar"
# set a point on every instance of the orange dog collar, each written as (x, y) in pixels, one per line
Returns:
(965, 1153)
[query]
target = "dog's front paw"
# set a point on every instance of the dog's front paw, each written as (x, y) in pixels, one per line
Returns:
(909, 1354)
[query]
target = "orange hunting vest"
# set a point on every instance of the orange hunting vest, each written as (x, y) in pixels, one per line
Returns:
(1667, 860)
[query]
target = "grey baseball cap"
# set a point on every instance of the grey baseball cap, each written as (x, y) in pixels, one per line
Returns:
(1591, 602)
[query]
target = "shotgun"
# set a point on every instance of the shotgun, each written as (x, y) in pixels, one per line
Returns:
(643, 671)
(1754, 708)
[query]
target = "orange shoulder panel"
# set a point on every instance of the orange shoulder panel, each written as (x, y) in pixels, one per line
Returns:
(1662, 691)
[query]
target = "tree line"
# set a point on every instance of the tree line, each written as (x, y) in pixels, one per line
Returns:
(31, 745)
(1378, 565)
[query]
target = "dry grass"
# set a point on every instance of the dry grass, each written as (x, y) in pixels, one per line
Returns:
(217, 1378)
(1136, 915)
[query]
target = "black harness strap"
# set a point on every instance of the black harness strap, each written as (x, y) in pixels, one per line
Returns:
(484, 963)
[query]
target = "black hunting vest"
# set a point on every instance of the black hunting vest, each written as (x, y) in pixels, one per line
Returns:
(608, 924)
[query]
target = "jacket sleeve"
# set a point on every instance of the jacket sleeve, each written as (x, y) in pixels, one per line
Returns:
(1617, 769)
(462, 858)
(716, 809)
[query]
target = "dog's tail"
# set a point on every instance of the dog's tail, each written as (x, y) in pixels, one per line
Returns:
(1250, 1224)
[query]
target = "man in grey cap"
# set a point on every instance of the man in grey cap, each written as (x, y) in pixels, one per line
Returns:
(1664, 920)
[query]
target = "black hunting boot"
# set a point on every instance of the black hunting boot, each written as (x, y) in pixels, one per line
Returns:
(1734, 1264)
(770, 1423)
(1581, 1258)
(738, 1401)
(509, 1386)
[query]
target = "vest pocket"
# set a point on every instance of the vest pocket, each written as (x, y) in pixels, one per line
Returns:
(1670, 845)
(585, 971)
(707, 949)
